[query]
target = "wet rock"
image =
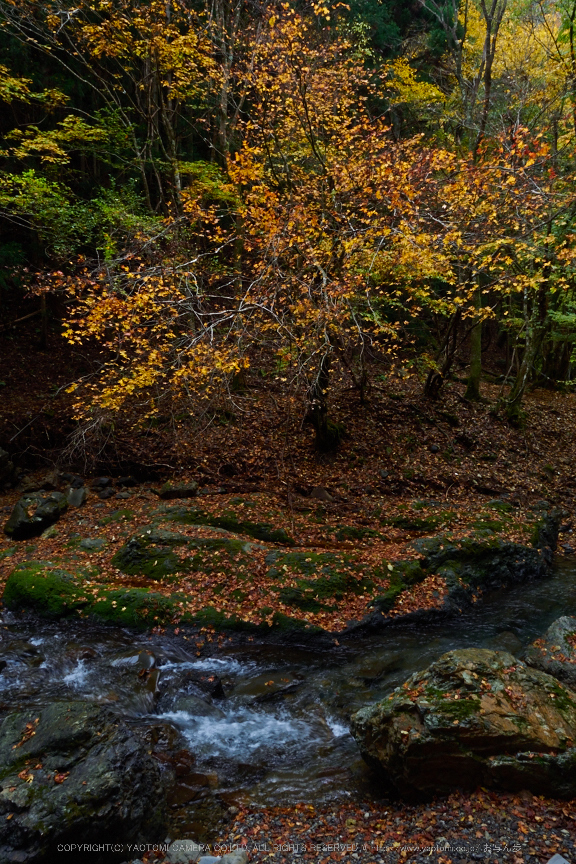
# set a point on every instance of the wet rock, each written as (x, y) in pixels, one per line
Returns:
(126, 481)
(555, 652)
(198, 687)
(184, 852)
(474, 718)
(505, 641)
(197, 707)
(34, 513)
(179, 490)
(72, 772)
(76, 496)
(487, 562)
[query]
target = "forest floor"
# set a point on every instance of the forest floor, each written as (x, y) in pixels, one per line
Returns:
(406, 468)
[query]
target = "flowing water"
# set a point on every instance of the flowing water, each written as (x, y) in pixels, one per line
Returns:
(280, 735)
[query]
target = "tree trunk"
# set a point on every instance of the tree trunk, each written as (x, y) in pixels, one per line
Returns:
(327, 432)
(536, 320)
(435, 379)
(473, 384)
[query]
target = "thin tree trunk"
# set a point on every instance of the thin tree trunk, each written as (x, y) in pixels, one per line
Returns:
(473, 384)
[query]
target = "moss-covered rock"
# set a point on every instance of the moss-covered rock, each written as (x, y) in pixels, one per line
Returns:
(178, 490)
(229, 521)
(307, 579)
(486, 561)
(122, 515)
(151, 553)
(353, 532)
(474, 718)
(402, 575)
(74, 772)
(56, 593)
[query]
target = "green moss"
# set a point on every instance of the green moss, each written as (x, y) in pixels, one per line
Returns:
(456, 709)
(351, 532)
(117, 516)
(416, 523)
(502, 506)
(215, 618)
(484, 523)
(384, 602)
(58, 593)
(307, 563)
(403, 575)
(50, 593)
(286, 623)
(229, 521)
(460, 709)
(133, 607)
(563, 701)
(151, 554)
(409, 571)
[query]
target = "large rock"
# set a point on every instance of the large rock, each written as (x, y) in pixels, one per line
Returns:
(555, 652)
(72, 772)
(34, 513)
(475, 717)
(52, 592)
(178, 490)
(152, 552)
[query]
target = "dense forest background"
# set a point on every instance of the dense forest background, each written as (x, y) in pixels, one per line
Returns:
(311, 201)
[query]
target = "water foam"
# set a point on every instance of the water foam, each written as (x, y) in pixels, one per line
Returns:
(77, 677)
(241, 733)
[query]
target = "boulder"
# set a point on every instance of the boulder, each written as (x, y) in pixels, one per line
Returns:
(152, 552)
(76, 496)
(474, 718)
(179, 490)
(237, 856)
(52, 592)
(184, 852)
(555, 652)
(73, 772)
(34, 513)
(100, 482)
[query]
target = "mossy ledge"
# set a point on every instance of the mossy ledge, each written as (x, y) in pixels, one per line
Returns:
(303, 582)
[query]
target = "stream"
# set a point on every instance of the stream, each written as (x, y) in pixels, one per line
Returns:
(280, 735)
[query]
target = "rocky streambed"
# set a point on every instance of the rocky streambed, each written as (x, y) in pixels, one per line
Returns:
(204, 711)
(218, 722)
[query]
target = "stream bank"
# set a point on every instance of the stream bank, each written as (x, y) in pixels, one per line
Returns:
(280, 734)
